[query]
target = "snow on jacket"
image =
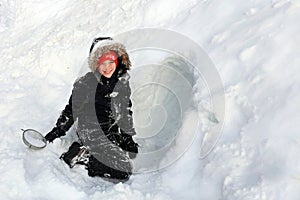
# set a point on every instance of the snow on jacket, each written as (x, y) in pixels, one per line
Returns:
(102, 107)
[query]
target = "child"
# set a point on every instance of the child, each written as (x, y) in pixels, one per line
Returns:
(100, 101)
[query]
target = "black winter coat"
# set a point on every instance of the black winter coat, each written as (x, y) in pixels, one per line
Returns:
(102, 107)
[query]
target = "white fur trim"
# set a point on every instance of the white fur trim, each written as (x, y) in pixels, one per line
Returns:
(102, 47)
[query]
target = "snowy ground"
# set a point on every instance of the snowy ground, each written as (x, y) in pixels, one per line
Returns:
(255, 47)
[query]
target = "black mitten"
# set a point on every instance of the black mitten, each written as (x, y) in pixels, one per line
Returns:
(54, 133)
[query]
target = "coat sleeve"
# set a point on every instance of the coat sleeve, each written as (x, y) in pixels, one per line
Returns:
(74, 106)
(63, 123)
(69, 113)
(65, 120)
(126, 121)
(126, 125)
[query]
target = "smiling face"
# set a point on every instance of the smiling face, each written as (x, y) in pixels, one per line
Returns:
(107, 64)
(107, 68)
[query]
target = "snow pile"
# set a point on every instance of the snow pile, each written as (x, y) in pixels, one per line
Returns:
(255, 46)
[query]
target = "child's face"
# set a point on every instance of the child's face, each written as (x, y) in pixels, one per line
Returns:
(107, 68)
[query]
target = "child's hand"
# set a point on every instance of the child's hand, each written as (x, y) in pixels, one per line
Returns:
(53, 134)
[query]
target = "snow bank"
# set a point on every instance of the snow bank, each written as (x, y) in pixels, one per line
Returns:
(255, 46)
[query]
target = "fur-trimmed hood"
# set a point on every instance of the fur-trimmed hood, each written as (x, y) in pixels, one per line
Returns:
(103, 47)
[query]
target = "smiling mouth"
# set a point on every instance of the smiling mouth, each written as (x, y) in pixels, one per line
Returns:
(107, 72)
